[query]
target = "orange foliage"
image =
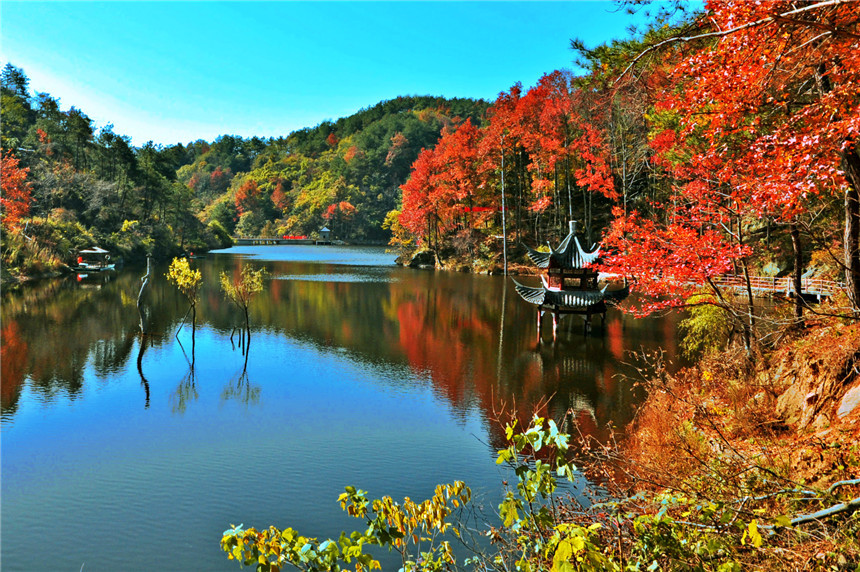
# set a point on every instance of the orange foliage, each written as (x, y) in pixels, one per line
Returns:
(279, 197)
(352, 153)
(247, 197)
(16, 192)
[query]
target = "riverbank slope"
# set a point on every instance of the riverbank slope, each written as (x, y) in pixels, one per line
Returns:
(746, 464)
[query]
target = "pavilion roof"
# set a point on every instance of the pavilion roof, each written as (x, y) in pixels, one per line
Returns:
(569, 254)
(566, 298)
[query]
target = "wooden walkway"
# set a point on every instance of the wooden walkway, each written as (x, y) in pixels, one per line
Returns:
(782, 286)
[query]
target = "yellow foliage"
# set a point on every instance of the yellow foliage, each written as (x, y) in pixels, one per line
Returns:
(241, 291)
(129, 225)
(188, 281)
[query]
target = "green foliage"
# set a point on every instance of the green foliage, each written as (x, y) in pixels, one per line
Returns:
(250, 224)
(362, 159)
(224, 238)
(414, 530)
(647, 532)
(97, 179)
(224, 213)
(100, 180)
(24, 255)
(707, 328)
(133, 240)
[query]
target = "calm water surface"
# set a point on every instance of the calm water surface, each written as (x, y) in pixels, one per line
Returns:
(118, 455)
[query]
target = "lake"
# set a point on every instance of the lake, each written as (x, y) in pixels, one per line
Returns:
(117, 454)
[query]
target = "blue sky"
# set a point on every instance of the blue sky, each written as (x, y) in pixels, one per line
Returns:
(178, 71)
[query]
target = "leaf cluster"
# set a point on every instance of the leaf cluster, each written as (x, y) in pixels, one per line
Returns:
(414, 530)
(240, 291)
(188, 281)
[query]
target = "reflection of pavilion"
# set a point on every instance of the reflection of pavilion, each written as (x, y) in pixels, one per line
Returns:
(580, 381)
(569, 283)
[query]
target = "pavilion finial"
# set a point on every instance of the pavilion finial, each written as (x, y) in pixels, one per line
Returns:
(572, 225)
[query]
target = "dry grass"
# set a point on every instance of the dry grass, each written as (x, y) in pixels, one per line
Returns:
(719, 432)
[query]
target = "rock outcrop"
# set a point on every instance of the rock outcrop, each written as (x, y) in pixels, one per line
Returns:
(819, 379)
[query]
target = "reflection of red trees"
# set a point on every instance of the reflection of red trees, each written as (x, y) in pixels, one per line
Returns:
(615, 334)
(13, 359)
(426, 350)
(456, 342)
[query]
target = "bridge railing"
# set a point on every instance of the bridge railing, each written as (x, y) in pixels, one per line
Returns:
(785, 284)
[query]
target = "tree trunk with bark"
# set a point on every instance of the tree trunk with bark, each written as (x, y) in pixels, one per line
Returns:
(851, 166)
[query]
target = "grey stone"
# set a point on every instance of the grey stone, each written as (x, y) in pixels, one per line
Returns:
(850, 402)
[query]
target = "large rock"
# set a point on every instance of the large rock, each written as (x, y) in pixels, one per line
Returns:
(850, 403)
(817, 379)
(423, 259)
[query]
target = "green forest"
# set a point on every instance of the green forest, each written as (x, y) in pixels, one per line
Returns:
(70, 184)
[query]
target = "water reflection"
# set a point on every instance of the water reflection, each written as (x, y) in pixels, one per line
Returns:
(184, 393)
(241, 389)
(142, 343)
(382, 377)
(474, 342)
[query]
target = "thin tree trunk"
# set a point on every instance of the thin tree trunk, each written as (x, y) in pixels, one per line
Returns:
(247, 326)
(145, 280)
(798, 272)
(193, 329)
(504, 216)
(851, 166)
(749, 326)
(556, 199)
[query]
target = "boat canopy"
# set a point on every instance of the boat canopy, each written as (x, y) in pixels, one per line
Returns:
(93, 250)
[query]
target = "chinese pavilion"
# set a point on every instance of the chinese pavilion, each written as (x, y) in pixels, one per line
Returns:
(569, 282)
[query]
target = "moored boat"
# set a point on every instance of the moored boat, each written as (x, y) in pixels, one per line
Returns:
(94, 259)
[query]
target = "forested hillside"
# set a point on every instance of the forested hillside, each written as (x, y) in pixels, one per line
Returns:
(345, 174)
(69, 184)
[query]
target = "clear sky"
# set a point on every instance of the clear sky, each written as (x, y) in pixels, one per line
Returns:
(179, 71)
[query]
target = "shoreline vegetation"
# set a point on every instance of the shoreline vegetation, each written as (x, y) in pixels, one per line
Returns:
(713, 143)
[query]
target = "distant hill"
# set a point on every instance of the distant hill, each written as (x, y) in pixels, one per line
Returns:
(344, 174)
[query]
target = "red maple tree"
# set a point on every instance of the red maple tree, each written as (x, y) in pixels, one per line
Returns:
(279, 197)
(16, 192)
(247, 197)
(760, 121)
